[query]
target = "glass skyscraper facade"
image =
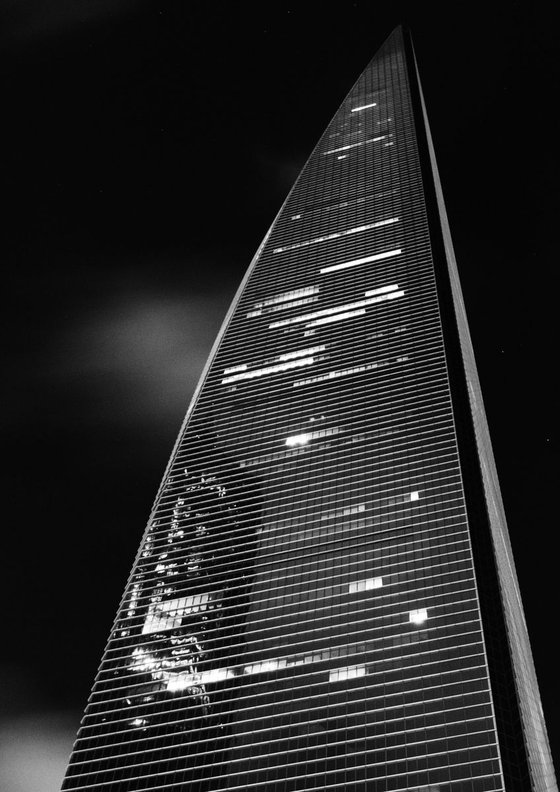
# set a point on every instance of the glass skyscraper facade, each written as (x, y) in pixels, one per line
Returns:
(325, 596)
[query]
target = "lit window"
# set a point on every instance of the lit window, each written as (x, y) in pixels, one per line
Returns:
(295, 217)
(281, 307)
(308, 361)
(365, 585)
(391, 294)
(381, 290)
(336, 235)
(349, 672)
(337, 318)
(414, 496)
(290, 295)
(233, 369)
(353, 145)
(345, 372)
(345, 511)
(356, 262)
(306, 437)
(168, 615)
(342, 156)
(298, 440)
(363, 107)
(418, 616)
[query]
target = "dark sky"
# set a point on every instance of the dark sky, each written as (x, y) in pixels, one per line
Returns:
(146, 149)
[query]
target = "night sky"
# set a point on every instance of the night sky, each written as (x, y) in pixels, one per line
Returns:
(147, 147)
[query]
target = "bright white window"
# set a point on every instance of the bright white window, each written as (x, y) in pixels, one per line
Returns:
(365, 585)
(391, 294)
(327, 237)
(363, 107)
(353, 145)
(233, 369)
(418, 616)
(349, 672)
(357, 262)
(280, 367)
(289, 295)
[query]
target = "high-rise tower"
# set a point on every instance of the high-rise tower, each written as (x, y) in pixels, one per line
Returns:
(325, 596)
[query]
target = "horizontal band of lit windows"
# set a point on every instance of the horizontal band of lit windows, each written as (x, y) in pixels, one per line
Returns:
(454, 601)
(443, 440)
(391, 267)
(417, 312)
(438, 641)
(388, 566)
(392, 546)
(363, 107)
(434, 391)
(392, 333)
(359, 261)
(426, 362)
(277, 369)
(312, 685)
(320, 612)
(440, 437)
(431, 359)
(277, 601)
(297, 269)
(389, 544)
(428, 372)
(432, 715)
(288, 296)
(380, 639)
(388, 645)
(336, 534)
(350, 371)
(282, 307)
(389, 293)
(352, 418)
(336, 235)
(277, 562)
(388, 382)
(422, 292)
(283, 362)
(387, 459)
(355, 145)
(396, 554)
(437, 549)
(395, 454)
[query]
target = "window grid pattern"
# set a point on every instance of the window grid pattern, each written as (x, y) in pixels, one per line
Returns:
(303, 610)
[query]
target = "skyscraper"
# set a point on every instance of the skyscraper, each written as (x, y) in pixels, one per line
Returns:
(325, 596)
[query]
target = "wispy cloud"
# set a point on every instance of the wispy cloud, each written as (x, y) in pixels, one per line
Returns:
(34, 751)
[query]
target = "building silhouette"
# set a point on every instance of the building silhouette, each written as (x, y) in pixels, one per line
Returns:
(325, 595)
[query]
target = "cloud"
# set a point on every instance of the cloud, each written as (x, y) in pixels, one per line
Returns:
(139, 360)
(34, 751)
